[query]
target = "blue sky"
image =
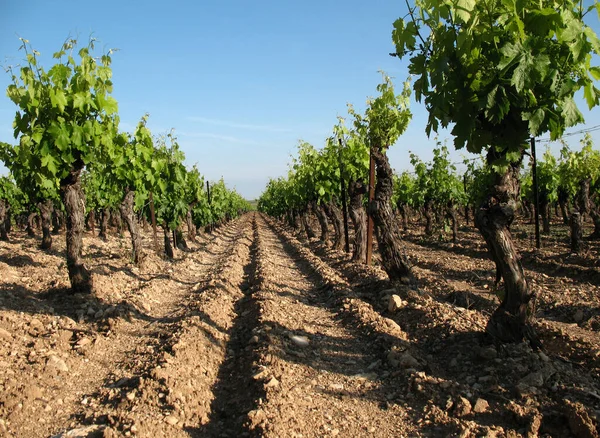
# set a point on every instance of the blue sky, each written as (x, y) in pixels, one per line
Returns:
(240, 82)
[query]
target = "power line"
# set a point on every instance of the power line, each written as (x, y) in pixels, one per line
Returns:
(570, 134)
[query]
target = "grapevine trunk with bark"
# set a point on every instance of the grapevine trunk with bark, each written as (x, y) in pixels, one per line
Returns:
(190, 225)
(576, 233)
(544, 212)
(393, 257)
(46, 208)
(511, 322)
(335, 215)
(104, 219)
(357, 190)
(563, 202)
(451, 213)
(427, 213)
(30, 224)
(323, 223)
(126, 209)
(403, 210)
(310, 234)
(168, 248)
(3, 215)
(73, 200)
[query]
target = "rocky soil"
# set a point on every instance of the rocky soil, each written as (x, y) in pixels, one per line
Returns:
(255, 331)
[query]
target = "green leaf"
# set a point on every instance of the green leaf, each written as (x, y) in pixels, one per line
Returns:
(58, 99)
(570, 112)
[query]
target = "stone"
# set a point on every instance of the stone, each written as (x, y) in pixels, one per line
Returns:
(56, 363)
(462, 407)
(481, 406)
(81, 432)
(172, 420)
(578, 317)
(535, 379)
(488, 353)
(408, 361)
(83, 342)
(395, 303)
(272, 383)
(5, 334)
(300, 341)
(35, 327)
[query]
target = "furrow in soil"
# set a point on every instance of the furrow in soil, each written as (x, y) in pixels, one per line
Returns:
(321, 376)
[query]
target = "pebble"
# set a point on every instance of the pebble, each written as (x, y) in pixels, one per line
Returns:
(170, 419)
(488, 353)
(578, 317)
(395, 303)
(55, 362)
(481, 406)
(83, 342)
(5, 334)
(300, 341)
(462, 407)
(408, 361)
(272, 383)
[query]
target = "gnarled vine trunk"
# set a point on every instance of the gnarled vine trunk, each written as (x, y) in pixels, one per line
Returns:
(30, 224)
(310, 234)
(576, 233)
(563, 200)
(57, 220)
(451, 213)
(168, 248)
(393, 257)
(3, 214)
(335, 214)
(46, 208)
(104, 220)
(118, 222)
(189, 220)
(427, 213)
(178, 236)
(126, 209)
(544, 209)
(323, 223)
(7, 220)
(511, 321)
(74, 202)
(358, 216)
(402, 209)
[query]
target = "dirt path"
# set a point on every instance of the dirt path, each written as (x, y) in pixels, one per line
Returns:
(321, 377)
(254, 333)
(81, 361)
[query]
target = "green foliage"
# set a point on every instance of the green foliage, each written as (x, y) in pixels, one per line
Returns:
(575, 166)
(10, 192)
(61, 112)
(548, 177)
(169, 197)
(499, 70)
(387, 116)
(436, 181)
(404, 190)
(478, 178)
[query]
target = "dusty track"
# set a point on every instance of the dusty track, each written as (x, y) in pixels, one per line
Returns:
(254, 333)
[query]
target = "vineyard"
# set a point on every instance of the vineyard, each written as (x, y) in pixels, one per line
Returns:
(449, 299)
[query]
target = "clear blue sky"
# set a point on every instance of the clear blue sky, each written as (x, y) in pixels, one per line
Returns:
(241, 82)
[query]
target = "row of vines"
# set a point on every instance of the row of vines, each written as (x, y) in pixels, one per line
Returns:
(498, 73)
(74, 166)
